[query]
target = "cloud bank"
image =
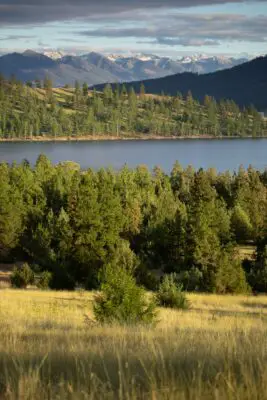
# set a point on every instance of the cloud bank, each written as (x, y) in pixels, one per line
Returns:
(161, 23)
(21, 12)
(192, 30)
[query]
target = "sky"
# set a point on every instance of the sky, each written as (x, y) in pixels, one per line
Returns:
(164, 27)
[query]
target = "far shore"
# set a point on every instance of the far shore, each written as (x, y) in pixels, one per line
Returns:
(88, 138)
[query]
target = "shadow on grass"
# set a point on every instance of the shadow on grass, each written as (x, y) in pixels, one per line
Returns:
(254, 305)
(78, 299)
(104, 360)
(227, 313)
(164, 367)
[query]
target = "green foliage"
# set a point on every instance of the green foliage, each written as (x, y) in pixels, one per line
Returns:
(121, 300)
(146, 278)
(22, 277)
(230, 276)
(171, 294)
(192, 279)
(11, 213)
(241, 224)
(74, 223)
(44, 280)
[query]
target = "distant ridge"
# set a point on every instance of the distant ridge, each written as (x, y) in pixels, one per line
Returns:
(30, 65)
(246, 84)
(94, 68)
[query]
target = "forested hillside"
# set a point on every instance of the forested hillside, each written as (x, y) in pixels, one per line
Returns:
(245, 84)
(73, 223)
(39, 112)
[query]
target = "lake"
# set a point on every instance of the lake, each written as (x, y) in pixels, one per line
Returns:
(222, 154)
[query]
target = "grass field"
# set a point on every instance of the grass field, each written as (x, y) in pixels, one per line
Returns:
(49, 349)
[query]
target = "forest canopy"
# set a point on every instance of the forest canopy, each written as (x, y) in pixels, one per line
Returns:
(73, 223)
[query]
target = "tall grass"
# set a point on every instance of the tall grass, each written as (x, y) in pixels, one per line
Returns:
(48, 350)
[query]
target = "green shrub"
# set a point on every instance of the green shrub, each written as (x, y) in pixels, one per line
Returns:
(230, 276)
(22, 277)
(44, 280)
(146, 278)
(121, 300)
(171, 294)
(191, 279)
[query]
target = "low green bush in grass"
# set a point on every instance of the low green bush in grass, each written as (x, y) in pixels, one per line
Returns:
(44, 280)
(22, 277)
(171, 294)
(121, 300)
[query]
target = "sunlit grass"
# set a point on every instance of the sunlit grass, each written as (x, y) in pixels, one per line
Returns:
(247, 252)
(49, 350)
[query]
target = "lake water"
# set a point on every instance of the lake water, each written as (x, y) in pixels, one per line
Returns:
(222, 154)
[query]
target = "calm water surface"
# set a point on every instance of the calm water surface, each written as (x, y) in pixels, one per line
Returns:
(221, 154)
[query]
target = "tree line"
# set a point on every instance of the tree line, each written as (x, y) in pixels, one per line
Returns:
(41, 111)
(73, 223)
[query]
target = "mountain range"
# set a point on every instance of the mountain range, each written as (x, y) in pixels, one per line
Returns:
(246, 84)
(94, 68)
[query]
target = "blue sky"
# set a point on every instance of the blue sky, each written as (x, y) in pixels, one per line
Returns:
(164, 28)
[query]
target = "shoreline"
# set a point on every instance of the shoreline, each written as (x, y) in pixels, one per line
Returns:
(99, 138)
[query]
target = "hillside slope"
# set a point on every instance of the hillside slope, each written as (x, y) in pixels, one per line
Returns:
(34, 112)
(246, 84)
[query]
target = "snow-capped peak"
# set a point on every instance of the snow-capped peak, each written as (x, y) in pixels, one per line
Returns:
(113, 57)
(55, 55)
(137, 56)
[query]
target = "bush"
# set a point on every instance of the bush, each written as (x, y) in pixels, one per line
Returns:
(171, 294)
(22, 277)
(146, 278)
(44, 281)
(121, 300)
(230, 276)
(191, 279)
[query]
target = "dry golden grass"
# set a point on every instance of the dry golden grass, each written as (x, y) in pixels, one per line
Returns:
(50, 350)
(247, 252)
(64, 91)
(5, 273)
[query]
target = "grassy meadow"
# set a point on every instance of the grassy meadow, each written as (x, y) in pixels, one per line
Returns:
(51, 349)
